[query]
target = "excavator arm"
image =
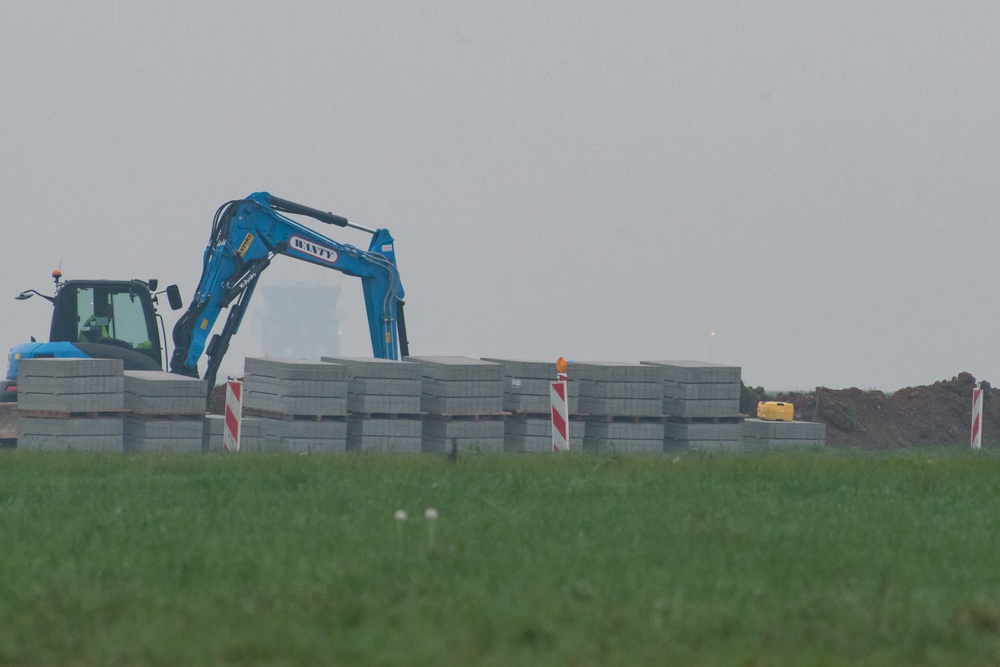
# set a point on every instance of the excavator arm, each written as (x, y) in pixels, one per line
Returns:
(246, 235)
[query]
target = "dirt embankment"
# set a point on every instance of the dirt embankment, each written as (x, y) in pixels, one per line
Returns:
(939, 414)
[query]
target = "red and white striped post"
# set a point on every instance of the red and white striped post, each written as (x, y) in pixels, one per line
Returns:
(560, 408)
(234, 416)
(977, 417)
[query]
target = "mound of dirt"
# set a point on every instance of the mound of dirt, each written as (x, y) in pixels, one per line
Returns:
(932, 415)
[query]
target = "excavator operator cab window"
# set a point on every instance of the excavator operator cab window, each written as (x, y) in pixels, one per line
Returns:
(112, 315)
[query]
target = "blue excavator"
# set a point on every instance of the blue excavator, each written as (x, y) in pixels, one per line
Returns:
(118, 319)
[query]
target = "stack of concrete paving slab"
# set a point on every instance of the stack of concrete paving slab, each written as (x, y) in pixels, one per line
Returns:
(303, 403)
(701, 403)
(383, 404)
(70, 404)
(463, 399)
(623, 404)
(526, 396)
(252, 433)
(164, 412)
(759, 434)
(699, 389)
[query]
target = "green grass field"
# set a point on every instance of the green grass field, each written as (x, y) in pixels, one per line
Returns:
(809, 558)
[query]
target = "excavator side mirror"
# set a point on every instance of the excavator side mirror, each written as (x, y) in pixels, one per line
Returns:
(152, 283)
(174, 297)
(24, 295)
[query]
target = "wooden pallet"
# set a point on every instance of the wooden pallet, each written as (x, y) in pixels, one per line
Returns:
(492, 416)
(266, 414)
(165, 416)
(386, 415)
(626, 419)
(733, 419)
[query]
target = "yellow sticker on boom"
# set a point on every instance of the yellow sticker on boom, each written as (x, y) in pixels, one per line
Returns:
(245, 245)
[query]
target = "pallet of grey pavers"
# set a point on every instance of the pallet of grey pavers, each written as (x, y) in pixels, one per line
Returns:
(460, 386)
(160, 393)
(527, 386)
(290, 387)
(531, 433)
(699, 388)
(702, 435)
(382, 386)
(623, 436)
(163, 435)
(70, 385)
(84, 433)
(760, 434)
(617, 388)
(689, 371)
(384, 434)
(457, 368)
(328, 436)
(484, 434)
(252, 434)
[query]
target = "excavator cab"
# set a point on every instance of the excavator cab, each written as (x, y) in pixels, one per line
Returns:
(109, 313)
(99, 319)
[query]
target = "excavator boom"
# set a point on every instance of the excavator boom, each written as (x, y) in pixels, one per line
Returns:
(246, 235)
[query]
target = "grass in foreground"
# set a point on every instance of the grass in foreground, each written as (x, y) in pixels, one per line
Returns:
(807, 558)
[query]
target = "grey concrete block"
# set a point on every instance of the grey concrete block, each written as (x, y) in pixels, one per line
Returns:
(384, 435)
(90, 384)
(673, 407)
(404, 428)
(290, 388)
(362, 368)
(295, 369)
(252, 434)
(775, 430)
(693, 391)
(88, 434)
(486, 434)
(599, 430)
(625, 407)
(462, 406)
(702, 431)
(613, 371)
(160, 383)
(306, 437)
(383, 387)
(642, 390)
(696, 371)
(163, 436)
(400, 405)
(164, 405)
(457, 368)
(520, 368)
(534, 434)
(461, 388)
(296, 406)
(83, 402)
(66, 368)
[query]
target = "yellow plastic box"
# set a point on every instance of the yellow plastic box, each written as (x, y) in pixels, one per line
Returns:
(775, 411)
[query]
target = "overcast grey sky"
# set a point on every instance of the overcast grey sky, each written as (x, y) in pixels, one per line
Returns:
(818, 183)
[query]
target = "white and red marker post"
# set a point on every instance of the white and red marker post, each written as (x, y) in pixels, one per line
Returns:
(560, 408)
(977, 417)
(234, 416)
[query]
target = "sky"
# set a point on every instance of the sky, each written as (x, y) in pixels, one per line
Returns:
(806, 190)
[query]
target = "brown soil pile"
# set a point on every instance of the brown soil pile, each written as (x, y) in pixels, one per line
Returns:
(939, 414)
